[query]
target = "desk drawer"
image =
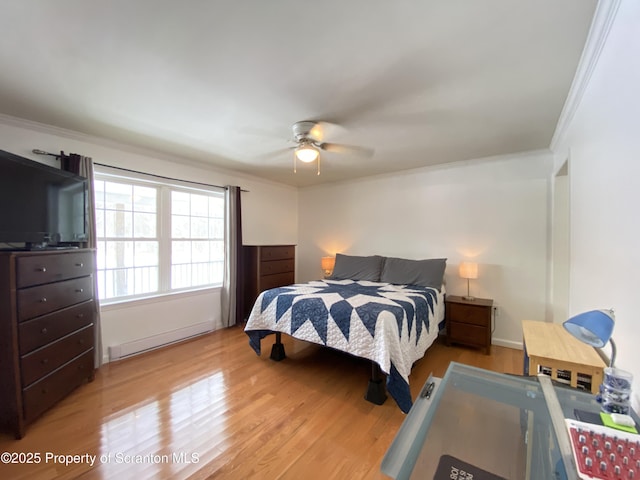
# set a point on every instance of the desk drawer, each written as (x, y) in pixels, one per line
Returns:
(40, 269)
(40, 396)
(476, 315)
(38, 363)
(35, 333)
(36, 301)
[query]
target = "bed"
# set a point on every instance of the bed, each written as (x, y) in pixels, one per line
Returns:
(387, 310)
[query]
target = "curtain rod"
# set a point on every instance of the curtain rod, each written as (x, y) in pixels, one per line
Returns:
(63, 155)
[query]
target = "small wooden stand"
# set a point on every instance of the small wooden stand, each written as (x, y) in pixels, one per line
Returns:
(549, 348)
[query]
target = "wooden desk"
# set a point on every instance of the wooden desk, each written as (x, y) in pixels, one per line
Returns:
(549, 348)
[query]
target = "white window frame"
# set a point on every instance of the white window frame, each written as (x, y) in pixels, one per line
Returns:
(163, 228)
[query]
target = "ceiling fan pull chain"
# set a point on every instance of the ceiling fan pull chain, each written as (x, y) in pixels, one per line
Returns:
(319, 164)
(294, 162)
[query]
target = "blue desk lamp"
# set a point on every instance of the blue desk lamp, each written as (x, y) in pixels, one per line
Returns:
(593, 328)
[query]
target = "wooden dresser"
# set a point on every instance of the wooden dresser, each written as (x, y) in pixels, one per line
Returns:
(47, 309)
(265, 267)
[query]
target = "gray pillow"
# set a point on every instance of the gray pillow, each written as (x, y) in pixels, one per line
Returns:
(427, 273)
(350, 267)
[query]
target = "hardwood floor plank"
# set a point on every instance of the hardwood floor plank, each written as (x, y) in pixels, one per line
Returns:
(226, 413)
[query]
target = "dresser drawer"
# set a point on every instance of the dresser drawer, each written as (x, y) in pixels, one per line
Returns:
(277, 252)
(35, 301)
(277, 266)
(38, 363)
(40, 396)
(277, 280)
(467, 334)
(475, 315)
(39, 269)
(35, 333)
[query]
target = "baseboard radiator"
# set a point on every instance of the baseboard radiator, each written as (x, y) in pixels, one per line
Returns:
(118, 352)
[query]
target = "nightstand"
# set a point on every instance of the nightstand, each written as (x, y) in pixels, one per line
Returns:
(469, 321)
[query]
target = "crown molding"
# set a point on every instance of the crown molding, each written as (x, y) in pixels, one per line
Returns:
(603, 19)
(132, 149)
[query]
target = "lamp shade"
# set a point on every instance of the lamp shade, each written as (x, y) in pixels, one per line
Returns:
(468, 270)
(327, 264)
(593, 328)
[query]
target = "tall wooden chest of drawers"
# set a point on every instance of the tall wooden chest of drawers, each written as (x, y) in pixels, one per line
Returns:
(265, 267)
(47, 342)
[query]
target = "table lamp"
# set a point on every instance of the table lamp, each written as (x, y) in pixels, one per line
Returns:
(327, 264)
(468, 270)
(593, 328)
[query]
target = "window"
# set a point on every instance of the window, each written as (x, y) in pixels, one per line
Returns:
(156, 238)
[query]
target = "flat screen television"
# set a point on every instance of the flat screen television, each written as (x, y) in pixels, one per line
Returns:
(40, 206)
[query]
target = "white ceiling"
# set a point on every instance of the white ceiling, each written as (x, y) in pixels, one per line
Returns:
(422, 82)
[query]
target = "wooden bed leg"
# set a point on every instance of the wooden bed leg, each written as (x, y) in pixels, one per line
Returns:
(376, 392)
(277, 350)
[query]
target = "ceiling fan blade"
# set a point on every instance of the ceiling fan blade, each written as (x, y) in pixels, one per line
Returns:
(323, 130)
(349, 149)
(276, 153)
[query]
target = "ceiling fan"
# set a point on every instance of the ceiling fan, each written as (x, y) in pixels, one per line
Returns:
(309, 137)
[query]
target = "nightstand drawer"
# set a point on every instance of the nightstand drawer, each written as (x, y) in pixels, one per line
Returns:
(468, 334)
(472, 314)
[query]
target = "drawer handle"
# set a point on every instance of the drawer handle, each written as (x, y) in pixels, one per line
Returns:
(79, 290)
(45, 391)
(43, 300)
(44, 331)
(44, 361)
(41, 269)
(80, 315)
(81, 342)
(80, 265)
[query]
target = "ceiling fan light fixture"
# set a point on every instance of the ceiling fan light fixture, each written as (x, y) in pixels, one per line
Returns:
(307, 153)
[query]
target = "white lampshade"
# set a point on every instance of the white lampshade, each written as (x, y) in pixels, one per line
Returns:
(307, 153)
(468, 270)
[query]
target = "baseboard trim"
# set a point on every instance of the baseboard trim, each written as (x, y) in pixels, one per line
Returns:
(118, 352)
(500, 342)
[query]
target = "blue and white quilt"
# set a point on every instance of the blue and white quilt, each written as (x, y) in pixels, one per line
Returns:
(392, 325)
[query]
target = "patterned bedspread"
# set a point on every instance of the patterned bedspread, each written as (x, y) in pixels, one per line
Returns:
(392, 325)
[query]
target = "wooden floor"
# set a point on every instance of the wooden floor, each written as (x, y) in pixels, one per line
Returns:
(210, 408)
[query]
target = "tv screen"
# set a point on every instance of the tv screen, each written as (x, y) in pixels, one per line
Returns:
(40, 205)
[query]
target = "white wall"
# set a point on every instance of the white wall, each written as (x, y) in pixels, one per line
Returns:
(269, 213)
(560, 248)
(494, 211)
(604, 140)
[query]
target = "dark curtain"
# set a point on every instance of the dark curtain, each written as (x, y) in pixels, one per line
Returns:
(83, 166)
(232, 298)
